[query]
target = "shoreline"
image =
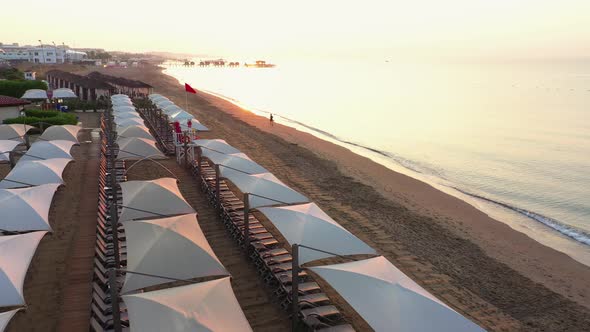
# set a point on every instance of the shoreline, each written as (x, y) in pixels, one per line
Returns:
(549, 232)
(478, 265)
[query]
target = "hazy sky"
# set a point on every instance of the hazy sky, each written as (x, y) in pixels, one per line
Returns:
(520, 28)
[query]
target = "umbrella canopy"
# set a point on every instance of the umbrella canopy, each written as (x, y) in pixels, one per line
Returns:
(218, 145)
(119, 95)
(135, 131)
(35, 172)
(161, 103)
(5, 147)
(16, 253)
(263, 184)
(238, 161)
(35, 94)
(123, 109)
(13, 132)
(308, 225)
(154, 95)
(49, 149)
(126, 115)
(121, 102)
(65, 132)
(5, 318)
(195, 124)
(129, 122)
(64, 93)
(201, 307)
(180, 115)
(26, 209)
(135, 148)
(171, 109)
(155, 198)
(158, 99)
(390, 301)
(172, 247)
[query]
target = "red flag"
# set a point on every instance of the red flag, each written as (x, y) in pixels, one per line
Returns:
(189, 88)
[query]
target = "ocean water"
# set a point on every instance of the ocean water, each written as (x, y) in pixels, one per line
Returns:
(511, 138)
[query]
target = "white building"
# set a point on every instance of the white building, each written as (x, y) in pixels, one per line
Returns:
(30, 75)
(40, 54)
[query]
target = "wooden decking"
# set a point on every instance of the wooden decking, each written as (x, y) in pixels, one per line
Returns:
(58, 283)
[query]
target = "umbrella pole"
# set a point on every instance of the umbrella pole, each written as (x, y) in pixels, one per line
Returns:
(295, 286)
(115, 300)
(217, 187)
(247, 221)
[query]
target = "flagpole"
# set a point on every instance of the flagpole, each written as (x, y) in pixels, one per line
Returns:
(186, 98)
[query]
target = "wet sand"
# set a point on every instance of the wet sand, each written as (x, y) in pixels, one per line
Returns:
(500, 278)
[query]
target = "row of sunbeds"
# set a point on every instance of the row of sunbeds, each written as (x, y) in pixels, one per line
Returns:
(272, 260)
(101, 307)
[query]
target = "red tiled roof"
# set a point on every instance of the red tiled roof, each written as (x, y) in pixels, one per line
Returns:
(11, 101)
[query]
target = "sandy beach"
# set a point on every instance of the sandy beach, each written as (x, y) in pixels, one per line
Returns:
(500, 278)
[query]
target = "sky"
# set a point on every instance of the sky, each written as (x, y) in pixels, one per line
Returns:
(307, 28)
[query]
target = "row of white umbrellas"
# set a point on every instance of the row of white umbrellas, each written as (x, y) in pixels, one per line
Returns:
(176, 113)
(382, 294)
(165, 243)
(133, 137)
(172, 247)
(26, 194)
(62, 93)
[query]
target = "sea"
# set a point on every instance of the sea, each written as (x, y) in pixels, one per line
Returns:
(510, 137)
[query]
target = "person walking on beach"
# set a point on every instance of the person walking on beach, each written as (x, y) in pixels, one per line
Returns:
(272, 120)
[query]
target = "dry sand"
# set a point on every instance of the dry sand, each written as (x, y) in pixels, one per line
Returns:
(499, 277)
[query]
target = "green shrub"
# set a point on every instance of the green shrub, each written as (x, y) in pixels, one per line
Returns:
(35, 121)
(41, 113)
(11, 74)
(17, 88)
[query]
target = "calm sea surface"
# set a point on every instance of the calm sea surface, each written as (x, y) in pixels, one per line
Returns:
(512, 139)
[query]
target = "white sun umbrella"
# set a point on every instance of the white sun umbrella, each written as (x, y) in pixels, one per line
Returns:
(121, 102)
(129, 122)
(35, 172)
(120, 98)
(135, 131)
(195, 124)
(265, 185)
(390, 301)
(218, 145)
(13, 132)
(119, 95)
(124, 109)
(5, 147)
(127, 115)
(35, 94)
(49, 149)
(201, 307)
(158, 99)
(181, 115)
(155, 198)
(154, 95)
(16, 253)
(135, 148)
(171, 109)
(26, 209)
(65, 132)
(237, 161)
(5, 318)
(173, 247)
(308, 225)
(63, 93)
(161, 103)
